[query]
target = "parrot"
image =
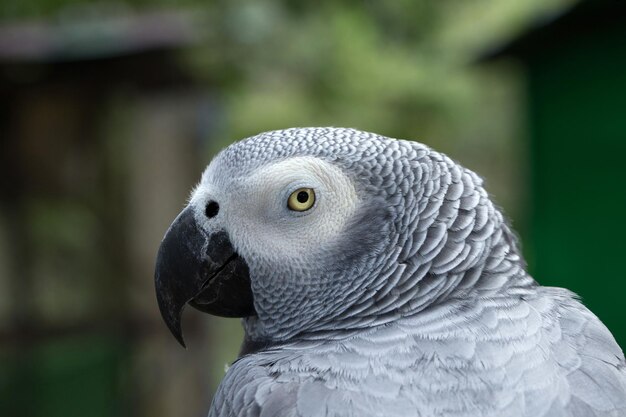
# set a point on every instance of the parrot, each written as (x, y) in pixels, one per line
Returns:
(375, 277)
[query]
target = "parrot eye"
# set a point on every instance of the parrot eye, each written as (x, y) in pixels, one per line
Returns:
(301, 200)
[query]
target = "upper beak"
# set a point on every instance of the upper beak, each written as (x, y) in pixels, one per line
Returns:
(200, 269)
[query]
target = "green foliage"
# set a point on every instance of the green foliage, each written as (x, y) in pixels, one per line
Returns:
(73, 377)
(398, 68)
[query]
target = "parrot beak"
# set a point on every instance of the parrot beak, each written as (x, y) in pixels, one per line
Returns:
(201, 270)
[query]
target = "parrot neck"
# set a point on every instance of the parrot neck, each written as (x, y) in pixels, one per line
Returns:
(498, 270)
(409, 289)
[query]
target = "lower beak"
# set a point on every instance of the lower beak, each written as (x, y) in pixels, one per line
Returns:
(202, 270)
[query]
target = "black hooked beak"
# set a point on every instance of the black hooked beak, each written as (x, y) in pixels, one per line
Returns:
(201, 270)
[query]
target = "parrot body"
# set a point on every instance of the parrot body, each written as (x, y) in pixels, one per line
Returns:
(538, 355)
(382, 281)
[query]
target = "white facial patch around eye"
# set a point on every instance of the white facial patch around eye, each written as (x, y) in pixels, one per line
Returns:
(272, 228)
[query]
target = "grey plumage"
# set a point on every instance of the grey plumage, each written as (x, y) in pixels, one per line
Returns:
(415, 303)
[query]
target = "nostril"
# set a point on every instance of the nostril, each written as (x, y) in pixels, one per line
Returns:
(212, 208)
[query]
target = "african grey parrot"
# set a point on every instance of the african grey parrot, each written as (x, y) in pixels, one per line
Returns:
(376, 278)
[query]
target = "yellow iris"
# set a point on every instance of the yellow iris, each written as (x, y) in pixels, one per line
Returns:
(302, 199)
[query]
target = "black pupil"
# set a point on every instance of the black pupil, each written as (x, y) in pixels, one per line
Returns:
(212, 208)
(302, 197)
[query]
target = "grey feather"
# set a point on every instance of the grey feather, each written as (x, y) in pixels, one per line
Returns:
(422, 306)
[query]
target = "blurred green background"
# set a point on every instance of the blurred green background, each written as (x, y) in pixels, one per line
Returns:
(110, 111)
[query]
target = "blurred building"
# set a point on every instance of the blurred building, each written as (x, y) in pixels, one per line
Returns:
(101, 124)
(576, 87)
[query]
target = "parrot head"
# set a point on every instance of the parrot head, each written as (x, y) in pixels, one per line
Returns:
(314, 229)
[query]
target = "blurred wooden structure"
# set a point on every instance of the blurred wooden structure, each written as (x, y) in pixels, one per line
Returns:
(576, 78)
(101, 128)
